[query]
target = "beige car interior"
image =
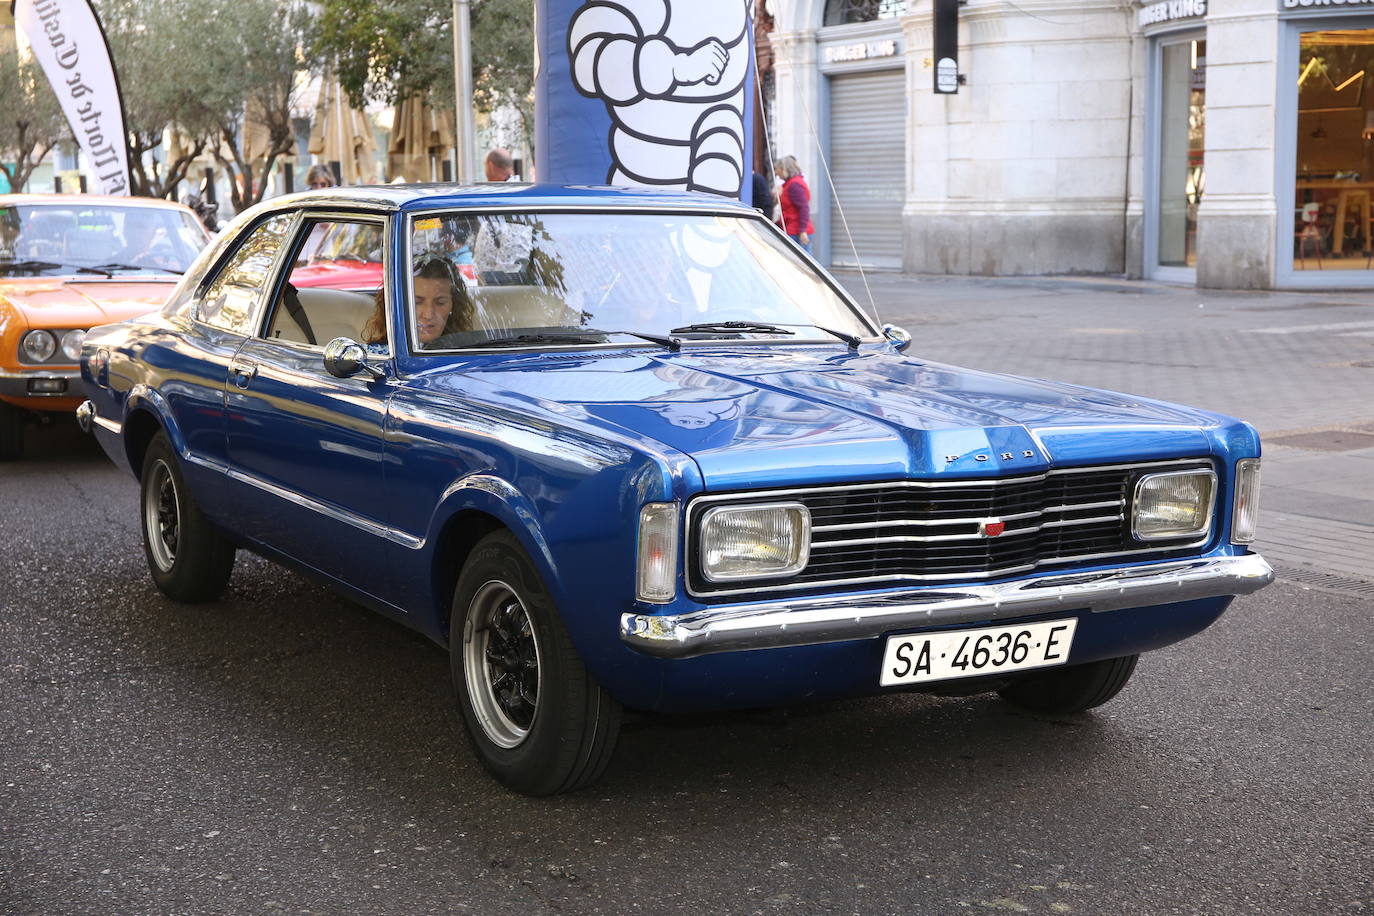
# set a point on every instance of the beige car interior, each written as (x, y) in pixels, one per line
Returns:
(316, 316)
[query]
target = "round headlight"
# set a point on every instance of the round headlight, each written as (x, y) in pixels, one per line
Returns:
(71, 344)
(38, 346)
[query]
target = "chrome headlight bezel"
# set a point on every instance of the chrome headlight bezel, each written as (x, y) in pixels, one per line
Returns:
(714, 557)
(1146, 497)
(37, 346)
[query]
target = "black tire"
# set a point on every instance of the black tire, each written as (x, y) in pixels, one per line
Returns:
(536, 719)
(11, 432)
(1073, 689)
(189, 560)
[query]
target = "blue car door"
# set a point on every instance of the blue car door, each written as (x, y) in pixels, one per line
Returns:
(311, 446)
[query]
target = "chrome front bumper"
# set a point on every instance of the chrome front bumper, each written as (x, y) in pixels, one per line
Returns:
(85, 413)
(808, 622)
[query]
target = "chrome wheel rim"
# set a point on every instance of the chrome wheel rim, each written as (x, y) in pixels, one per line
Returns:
(162, 515)
(501, 664)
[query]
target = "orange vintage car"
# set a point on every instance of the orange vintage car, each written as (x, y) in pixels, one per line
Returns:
(68, 263)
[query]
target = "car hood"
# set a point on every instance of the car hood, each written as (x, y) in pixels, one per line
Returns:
(771, 416)
(57, 302)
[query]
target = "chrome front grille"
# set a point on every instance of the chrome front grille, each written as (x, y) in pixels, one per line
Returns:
(933, 531)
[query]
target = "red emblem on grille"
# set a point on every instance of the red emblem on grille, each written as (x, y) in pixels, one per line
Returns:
(991, 528)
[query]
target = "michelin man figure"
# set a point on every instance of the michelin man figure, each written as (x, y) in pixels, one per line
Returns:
(672, 75)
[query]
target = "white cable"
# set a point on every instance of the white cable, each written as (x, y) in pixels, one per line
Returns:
(815, 135)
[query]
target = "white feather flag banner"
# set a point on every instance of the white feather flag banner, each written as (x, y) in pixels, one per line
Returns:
(67, 40)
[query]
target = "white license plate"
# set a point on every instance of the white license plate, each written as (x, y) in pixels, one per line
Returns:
(953, 654)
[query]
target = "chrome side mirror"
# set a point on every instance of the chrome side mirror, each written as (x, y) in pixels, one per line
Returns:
(345, 358)
(900, 337)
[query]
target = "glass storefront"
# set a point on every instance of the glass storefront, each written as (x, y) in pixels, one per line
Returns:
(1333, 216)
(1182, 128)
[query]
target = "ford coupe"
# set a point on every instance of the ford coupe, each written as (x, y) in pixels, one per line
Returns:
(632, 449)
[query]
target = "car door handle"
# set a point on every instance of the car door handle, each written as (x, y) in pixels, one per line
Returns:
(243, 372)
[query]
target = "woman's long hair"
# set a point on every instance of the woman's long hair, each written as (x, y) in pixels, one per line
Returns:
(460, 317)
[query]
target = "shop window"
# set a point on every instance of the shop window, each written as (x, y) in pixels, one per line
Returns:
(1183, 123)
(843, 12)
(1334, 204)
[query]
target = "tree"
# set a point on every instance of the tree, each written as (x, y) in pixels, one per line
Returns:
(150, 42)
(205, 87)
(31, 122)
(264, 46)
(386, 52)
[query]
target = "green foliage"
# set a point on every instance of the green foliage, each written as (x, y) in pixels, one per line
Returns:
(31, 122)
(198, 67)
(385, 52)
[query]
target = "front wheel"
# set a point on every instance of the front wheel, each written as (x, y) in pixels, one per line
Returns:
(1073, 689)
(537, 720)
(189, 560)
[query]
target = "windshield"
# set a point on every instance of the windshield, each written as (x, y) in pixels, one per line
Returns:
(546, 278)
(56, 239)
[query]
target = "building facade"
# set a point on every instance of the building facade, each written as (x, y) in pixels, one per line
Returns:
(1227, 143)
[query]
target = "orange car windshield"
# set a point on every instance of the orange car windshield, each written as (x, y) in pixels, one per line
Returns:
(56, 239)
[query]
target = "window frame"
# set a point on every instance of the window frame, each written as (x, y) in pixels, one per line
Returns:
(223, 263)
(304, 223)
(407, 226)
(1286, 274)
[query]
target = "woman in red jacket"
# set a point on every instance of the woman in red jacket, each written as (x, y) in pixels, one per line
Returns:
(795, 199)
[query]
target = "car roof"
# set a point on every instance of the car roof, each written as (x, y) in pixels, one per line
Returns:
(506, 194)
(79, 200)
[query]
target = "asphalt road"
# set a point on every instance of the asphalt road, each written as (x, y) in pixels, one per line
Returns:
(286, 751)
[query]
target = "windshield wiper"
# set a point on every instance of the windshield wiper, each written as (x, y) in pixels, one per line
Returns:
(539, 338)
(585, 335)
(106, 268)
(850, 339)
(29, 265)
(708, 327)
(747, 327)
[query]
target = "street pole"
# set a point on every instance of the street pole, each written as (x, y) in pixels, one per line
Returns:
(466, 141)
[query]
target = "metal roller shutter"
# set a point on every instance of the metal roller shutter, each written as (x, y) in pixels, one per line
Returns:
(868, 165)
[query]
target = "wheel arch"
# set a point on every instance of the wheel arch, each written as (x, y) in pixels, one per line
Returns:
(145, 416)
(140, 426)
(472, 508)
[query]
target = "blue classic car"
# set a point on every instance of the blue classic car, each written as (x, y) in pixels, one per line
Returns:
(620, 448)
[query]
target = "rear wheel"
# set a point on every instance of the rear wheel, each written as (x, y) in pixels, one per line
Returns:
(189, 560)
(1072, 689)
(537, 720)
(11, 432)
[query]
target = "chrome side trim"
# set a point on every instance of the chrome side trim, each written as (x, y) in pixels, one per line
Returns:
(810, 622)
(348, 518)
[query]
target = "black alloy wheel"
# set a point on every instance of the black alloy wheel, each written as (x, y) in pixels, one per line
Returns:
(189, 559)
(535, 717)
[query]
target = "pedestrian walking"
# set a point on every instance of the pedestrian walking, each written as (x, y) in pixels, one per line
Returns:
(795, 202)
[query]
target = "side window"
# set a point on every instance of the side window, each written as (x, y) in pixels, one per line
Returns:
(335, 287)
(229, 299)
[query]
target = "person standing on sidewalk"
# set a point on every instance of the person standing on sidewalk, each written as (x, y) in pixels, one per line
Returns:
(795, 202)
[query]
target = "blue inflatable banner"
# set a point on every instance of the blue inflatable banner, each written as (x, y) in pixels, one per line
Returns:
(654, 93)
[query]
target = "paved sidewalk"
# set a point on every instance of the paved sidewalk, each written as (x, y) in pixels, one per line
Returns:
(1298, 365)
